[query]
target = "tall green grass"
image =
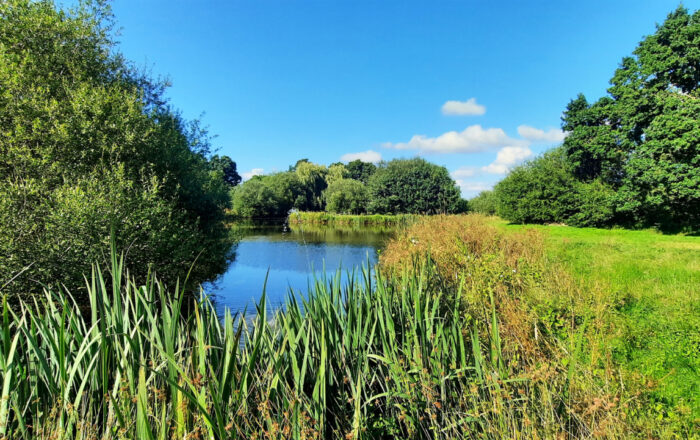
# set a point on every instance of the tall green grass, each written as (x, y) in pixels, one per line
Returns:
(325, 218)
(370, 358)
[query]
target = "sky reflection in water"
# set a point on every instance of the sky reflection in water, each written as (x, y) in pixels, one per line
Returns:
(292, 258)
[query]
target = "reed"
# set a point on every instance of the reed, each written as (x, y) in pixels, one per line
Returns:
(375, 357)
(325, 218)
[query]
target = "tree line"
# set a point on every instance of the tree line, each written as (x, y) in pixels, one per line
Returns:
(401, 186)
(632, 157)
(90, 148)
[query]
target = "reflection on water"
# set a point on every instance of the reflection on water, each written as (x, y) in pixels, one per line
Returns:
(292, 257)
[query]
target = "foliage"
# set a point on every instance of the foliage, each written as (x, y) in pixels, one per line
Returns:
(87, 143)
(313, 178)
(540, 191)
(361, 171)
(595, 204)
(346, 196)
(484, 203)
(545, 190)
(412, 186)
(269, 196)
(403, 186)
(324, 218)
(336, 172)
(642, 138)
(227, 168)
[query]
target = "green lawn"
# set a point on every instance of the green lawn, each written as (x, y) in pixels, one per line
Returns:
(646, 287)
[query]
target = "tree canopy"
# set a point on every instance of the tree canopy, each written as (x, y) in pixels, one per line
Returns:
(401, 186)
(412, 186)
(632, 157)
(88, 145)
(642, 138)
(346, 196)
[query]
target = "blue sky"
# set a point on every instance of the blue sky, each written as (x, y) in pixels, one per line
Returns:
(475, 86)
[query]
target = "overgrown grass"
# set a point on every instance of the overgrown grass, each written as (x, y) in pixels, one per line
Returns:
(645, 289)
(625, 305)
(325, 218)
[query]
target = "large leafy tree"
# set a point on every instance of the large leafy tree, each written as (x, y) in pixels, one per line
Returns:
(269, 196)
(360, 170)
(88, 145)
(346, 196)
(226, 167)
(313, 177)
(413, 186)
(643, 138)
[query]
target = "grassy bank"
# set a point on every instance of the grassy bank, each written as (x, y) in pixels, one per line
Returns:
(470, 329)
(624, 305)
(324, 218)
(643, 288)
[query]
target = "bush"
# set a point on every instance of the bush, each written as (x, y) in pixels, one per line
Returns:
(596, 205)
(541, 191)
(91, 146)
(412, 186)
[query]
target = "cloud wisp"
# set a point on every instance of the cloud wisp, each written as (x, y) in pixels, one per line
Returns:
(473, 139)
(364, 156)
(536, 135)
(463, 108)
(254, 172)
(507, 158)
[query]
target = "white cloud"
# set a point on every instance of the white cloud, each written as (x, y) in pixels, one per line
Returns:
(464, 172)
(468, 107)
(473, 186)
(473, 139)
(536, 135)
(364, 156)
(507, 158)
(253, 172)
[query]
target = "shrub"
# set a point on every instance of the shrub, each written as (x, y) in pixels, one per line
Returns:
(544, 190)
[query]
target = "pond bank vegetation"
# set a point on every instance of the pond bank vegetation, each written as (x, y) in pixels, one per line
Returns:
(469, 330)
(328, 219)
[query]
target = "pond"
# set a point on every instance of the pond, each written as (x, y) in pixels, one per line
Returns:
(293, 258)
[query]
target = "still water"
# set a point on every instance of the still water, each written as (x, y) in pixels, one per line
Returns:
(293, 258)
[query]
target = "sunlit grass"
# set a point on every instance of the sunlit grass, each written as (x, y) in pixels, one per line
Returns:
(648, 285)
(325, 218)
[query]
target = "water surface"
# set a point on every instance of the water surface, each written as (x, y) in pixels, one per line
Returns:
(292, 258)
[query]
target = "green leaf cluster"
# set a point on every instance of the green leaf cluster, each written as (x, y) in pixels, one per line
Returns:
(88, 144)
(412, 186)
(642, 140)
(631, 158)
